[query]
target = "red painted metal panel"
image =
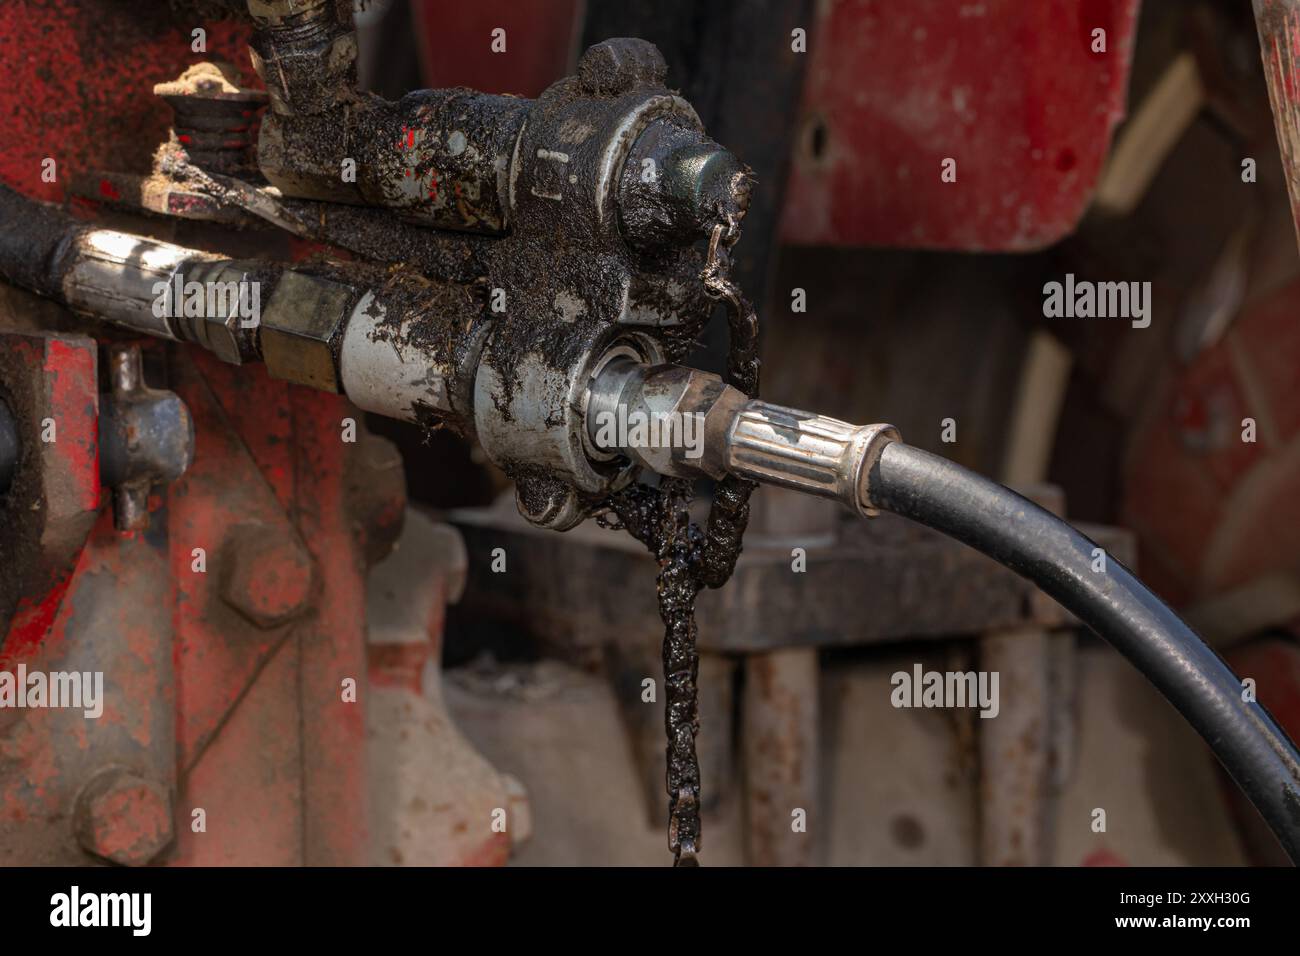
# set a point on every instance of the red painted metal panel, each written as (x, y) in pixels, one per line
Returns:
(249, 782)
(221, 491)
(1010, 89)
(456, 43)
(332, 643)
(260, 710)
(80, 92)
(78, 88)
(113, 619)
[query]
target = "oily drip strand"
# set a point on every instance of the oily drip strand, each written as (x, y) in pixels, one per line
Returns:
(691, 559)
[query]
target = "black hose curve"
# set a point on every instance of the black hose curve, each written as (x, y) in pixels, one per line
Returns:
(34, 243)
(1039, 546)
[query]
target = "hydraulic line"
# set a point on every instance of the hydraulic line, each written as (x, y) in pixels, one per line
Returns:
(1039, 546)
(868, 468)
(112, 276)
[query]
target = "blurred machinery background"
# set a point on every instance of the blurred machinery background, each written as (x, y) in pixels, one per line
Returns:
(886, 294)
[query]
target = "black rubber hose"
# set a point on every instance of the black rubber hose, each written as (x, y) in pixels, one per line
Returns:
(35, 240)
(1039, 546)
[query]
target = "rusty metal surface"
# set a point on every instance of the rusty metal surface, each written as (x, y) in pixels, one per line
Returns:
(1014, 750)
(433, 796)
(215, 666)
(332, 643)
(123, 818)
(115, 619)
(49, 383)
(780, 737)
(235, 680)
(266, 575)
(1278, 22)
(262, 657)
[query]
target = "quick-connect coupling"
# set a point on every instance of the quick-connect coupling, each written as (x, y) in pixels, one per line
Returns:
(811, 453)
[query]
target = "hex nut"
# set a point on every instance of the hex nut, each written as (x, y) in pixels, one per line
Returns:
(224, 335)
(669, 391)
(309, 78)
(719, 407)
(265, 575)
(123, 817)
(621, 65)
(301, 328)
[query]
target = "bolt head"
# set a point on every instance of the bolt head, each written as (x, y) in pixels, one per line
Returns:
(124, 818)
(548, 502)
(265, 575)
(300, 329)
(621, 65)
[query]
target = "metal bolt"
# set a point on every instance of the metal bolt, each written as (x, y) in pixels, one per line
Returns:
(146, 436)
(123, 817)
(548, 502)
(213, 117)
(131, 507)
(266, 575)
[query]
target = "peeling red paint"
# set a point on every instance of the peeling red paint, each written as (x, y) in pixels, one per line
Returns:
(31, 623)
(1012, 91)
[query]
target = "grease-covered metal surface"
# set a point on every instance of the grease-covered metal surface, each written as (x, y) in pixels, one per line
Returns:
(690, 559)
(586, 257)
